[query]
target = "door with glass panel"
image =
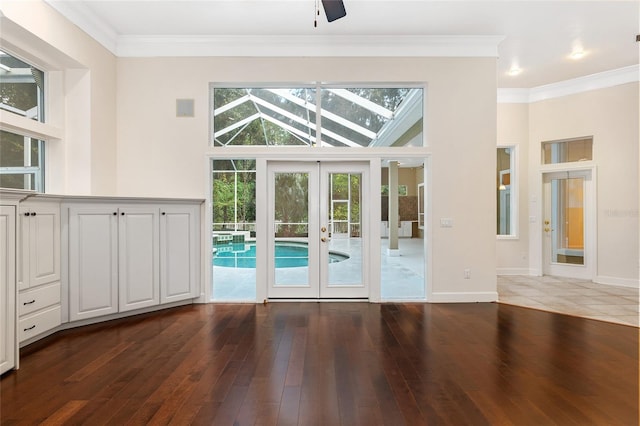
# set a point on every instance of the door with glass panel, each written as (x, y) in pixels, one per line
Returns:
(567, 223)
(317, 230)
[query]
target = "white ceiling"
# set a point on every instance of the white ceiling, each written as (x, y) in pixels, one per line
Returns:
(538, 35)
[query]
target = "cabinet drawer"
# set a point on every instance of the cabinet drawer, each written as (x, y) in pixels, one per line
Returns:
(38, 298)
(32, 325)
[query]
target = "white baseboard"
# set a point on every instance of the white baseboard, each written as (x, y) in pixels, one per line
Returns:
(466, 297)
(513, 271)
(620, 282)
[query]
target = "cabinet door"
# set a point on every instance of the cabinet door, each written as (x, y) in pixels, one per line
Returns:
(179, 253)
(93, 261)
(138, 255)
(7, 288)
(44, 244)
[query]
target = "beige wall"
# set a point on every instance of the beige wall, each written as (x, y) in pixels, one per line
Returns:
(159, 154)
(122, 136)
(611, 116)
(406, 176)
(513, 129)
(84, 162)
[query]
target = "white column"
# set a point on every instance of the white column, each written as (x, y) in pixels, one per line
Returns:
(393, 249)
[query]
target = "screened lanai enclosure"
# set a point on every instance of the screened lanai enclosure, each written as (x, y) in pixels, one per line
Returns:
(316, 211)
(343, 117)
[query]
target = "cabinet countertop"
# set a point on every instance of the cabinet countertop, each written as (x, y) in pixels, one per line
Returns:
(23, 195)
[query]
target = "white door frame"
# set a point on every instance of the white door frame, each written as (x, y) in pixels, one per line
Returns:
(263, 154)
(589, 269)
(317, 285)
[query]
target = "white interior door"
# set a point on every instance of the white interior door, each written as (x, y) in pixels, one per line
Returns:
(317, 230)
(569, 249)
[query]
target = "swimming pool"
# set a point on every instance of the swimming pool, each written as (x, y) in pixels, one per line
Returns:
(288, 255)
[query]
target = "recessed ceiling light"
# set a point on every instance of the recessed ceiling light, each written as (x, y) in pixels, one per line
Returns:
(577, 54)
(514, 70)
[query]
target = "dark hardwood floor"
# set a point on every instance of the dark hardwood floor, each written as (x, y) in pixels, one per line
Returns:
(331, 364)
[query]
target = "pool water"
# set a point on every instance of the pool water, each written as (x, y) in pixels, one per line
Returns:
(288, 255)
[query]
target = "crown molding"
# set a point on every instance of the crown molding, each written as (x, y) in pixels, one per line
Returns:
(273, 45)
(301, 46)
(79, 14)
(587, 83)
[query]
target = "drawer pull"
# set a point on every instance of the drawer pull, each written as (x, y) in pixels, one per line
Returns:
(29, 303)
(30, 328)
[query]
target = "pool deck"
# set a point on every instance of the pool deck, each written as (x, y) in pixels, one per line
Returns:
(402, 277)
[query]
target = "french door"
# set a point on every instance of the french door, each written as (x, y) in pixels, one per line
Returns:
(318, 228)
(568, 224)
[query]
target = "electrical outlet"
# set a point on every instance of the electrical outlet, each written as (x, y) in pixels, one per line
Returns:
(446, 222)
(467, 274)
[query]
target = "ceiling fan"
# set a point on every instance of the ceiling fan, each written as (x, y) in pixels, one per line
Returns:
(334, 9)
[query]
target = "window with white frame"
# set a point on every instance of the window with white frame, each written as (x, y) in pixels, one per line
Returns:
(317, 115)
(567, 151)
(506, 189)
(21, 93)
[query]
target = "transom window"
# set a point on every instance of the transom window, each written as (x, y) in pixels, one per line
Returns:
(567, 151)
(317, 116)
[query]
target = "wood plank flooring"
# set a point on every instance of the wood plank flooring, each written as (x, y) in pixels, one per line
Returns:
(331, 364)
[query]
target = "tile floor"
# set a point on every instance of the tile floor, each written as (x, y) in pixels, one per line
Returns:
(573, 297)
(402, 280)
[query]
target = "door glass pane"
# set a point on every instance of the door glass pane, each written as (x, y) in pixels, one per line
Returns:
(291, 229)
(567, 220)
(503, 178)
(343, 235)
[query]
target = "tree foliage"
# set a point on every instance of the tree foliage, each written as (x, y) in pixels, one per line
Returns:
(292, 203)
(231, 179)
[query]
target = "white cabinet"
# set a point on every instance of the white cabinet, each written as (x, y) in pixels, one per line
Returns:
(125, 257)
(179, 253)
(138, 257)
(7, 288)
(93, 261)
(404, 229)
(39, 262)
(38, 268)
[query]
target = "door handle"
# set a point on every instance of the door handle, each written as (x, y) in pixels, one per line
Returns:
(323, 239)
